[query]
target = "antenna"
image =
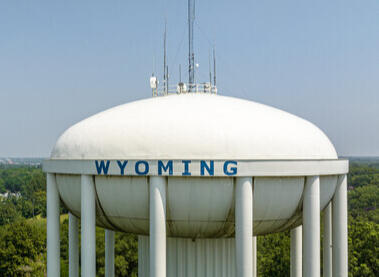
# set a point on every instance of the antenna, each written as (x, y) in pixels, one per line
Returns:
(210, 68)
(164, 58)
(153, 65)
(214, 66)
(167, 77)
(191, 55)
(180, 73)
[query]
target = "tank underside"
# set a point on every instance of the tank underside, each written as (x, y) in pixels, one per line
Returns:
(195, 207)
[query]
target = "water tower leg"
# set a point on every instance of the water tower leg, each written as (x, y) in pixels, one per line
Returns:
(327, 241)
(244, 226)
(158, 226)
(109, 253)
(88, 220)
(296, 251)
(73, 246)
(311, 227)
(53, 241)
(339, 229)
(254, 256)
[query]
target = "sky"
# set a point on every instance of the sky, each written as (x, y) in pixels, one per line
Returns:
(62, 61)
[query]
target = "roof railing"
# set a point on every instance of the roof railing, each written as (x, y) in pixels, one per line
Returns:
(185, 88)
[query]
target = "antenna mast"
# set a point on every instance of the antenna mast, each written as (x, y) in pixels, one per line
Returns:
(210, 68)
(180, 73)
(214, 66)
(165, 73)
(191, 55)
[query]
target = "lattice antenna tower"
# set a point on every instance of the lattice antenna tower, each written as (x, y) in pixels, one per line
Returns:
(191, 55)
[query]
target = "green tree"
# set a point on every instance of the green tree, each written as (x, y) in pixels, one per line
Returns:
(22, 248)
(126, 254)
(8, 212)
(2, 186)
(363, 248)
(273, 255)
(363, 201)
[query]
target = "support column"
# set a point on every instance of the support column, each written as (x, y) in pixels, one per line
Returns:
(53, 239)
(296, 251)
(244, 226)
(88, 225)
(73, 246)
(311, 227)
(339, 229)
(254, 256)
(157, 226)
(109, 253)
(327, 242)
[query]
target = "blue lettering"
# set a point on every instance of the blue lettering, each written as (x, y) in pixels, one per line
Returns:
(186, 168)
(168, 167)
(210, 168)
(232, 170)
(122, 166)
(145, 171)
(102, 167)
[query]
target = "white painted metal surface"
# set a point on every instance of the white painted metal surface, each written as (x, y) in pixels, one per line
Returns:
(197, 207)
(158, 226)
(168, 128)
(200, 207)
(327, 242)
(327, 188)
(189, 257)
(73, 246)
(125, 201)
(53, 240)
(296, 252)
(275, 202)
(280, 151)
(69, 187)
(339, 229)
(109, 253)
(311, 227)
(88, 227)
(247, 168)
(244, 227)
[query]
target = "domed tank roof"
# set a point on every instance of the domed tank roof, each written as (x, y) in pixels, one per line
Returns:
(194, 126)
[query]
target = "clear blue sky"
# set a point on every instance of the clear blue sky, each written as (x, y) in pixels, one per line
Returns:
(62, 61)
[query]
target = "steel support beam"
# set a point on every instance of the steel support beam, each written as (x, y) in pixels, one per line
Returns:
(73, 246)
(88, 225)
(244, 226)
(311, 227)
(296, 252)
(158, 226)
(109, 253)
(339, 229)
(53, 239)
(327, 242)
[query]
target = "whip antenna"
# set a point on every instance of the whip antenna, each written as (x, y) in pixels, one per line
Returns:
(165, 77)
(214, 66)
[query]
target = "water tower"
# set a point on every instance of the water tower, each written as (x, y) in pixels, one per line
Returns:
(197, 176)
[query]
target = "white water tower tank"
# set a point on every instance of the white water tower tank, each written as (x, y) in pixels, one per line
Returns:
(200, 144)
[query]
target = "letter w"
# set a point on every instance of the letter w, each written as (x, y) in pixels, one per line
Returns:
(103, 166)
